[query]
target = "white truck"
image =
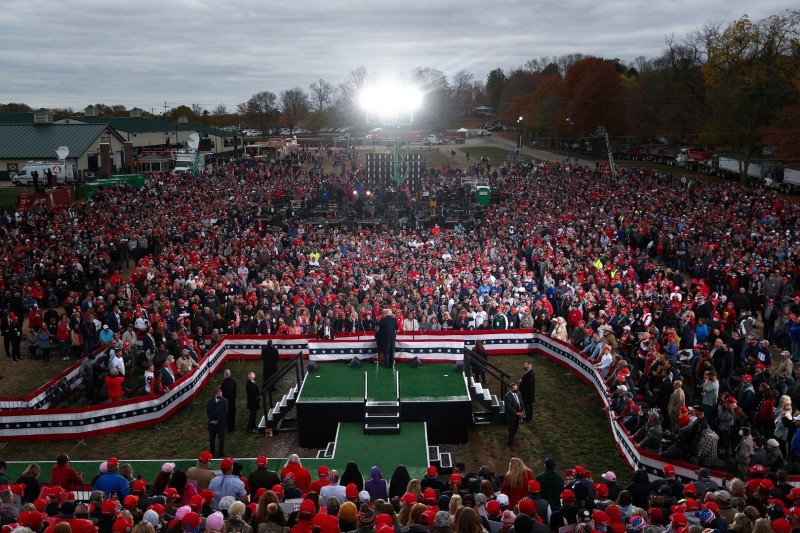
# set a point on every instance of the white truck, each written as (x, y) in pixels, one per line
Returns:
(63, 173)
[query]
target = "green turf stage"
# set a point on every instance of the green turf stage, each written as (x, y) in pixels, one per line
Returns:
(410, 448)
(337, 382)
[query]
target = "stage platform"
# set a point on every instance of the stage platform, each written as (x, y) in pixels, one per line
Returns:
(336, 393)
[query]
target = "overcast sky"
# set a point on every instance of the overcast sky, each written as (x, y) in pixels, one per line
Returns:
(143, 53)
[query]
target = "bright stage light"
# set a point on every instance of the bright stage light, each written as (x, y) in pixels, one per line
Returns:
(388, 100)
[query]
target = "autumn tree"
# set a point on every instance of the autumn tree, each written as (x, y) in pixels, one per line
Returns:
(594, 88)
(14, 107)
(751, 72)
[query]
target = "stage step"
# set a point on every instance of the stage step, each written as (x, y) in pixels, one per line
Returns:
(382, 407)
(327, 453)
(381, 429)
(382, 418)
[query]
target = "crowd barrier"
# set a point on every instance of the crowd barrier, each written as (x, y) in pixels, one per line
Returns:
(55, 424)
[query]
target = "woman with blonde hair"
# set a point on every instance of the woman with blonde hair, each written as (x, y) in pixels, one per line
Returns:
(455, 505)
(741, 524)
(30, 477)
(235, 522)
(515, 484)
(415, 488)
(761, 526)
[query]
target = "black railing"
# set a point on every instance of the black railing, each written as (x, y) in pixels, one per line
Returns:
(487, 368)
(295, 364)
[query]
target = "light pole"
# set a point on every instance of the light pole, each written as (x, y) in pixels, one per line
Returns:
(519, 129)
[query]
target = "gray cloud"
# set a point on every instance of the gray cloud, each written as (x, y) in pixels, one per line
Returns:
(146, 52)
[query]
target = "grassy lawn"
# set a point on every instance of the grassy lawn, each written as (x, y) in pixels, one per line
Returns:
(9, 196)
(496, 155)
(568, 425)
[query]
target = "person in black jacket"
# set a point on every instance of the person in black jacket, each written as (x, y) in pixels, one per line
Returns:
(253, 396)
(527, 388)
(228, 387)
(269, 361)
(385, 337)
(217, 412)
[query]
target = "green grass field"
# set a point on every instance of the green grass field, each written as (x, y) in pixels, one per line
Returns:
(496, 155)
(9, 196)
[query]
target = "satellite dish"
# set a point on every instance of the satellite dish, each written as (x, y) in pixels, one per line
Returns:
(62, 152)
(193, 141)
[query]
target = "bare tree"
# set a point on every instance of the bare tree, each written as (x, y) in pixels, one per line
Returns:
(294, 105)
(351, 87)
(322, 94)
(462, 80)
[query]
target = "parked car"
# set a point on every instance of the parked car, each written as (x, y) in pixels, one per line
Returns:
(498, 127)
(483, 133)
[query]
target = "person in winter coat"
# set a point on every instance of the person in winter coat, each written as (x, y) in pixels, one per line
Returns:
(377, 487)
(302, 479)
(639, 489)
(560, 330)
(743, 452)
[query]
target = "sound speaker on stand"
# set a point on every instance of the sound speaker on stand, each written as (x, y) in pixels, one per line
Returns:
(416, 363)
(458, 366)
(312, 367)
(355, 362)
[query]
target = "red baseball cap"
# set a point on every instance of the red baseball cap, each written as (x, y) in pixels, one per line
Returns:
(527, 506)
(191, 520)
(322, 470)
(205, 457)
(432, 471)
(226, 464)
(122, 525)
(140, 485)
(669, 469)
(493, 507)
(131, 500)
(678, 519)
(112, 462)
(109, 507)
(455, 479)
(534, 486)
(261, 461)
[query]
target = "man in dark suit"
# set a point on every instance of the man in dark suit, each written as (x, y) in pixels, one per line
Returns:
(167, 377)
(217, 412)
(269, 361)
(385, 337)
(514, 413)
(228, 387)
(527, 388)
(253, 397)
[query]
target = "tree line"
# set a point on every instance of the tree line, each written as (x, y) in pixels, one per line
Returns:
(725, 86)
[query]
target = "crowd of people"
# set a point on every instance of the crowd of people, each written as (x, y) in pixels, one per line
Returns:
(292, 500)
(662, 282)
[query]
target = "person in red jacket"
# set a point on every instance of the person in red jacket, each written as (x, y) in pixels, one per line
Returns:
(64, 475)
(302, 479)
(515, 484)
(114, 385)
(304, 517)
(63, 336)
(35, 319)
(327, 519)
(323, 480)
